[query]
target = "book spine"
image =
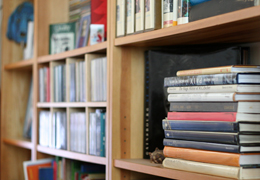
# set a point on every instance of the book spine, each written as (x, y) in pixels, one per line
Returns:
(226, 138)
(203, 116)
(204, 168)
(199, 80)
(203, 89)
(204, 106)
(206, 97)
(214, 70)
(213, 157)
(202, 145)
(211, 126)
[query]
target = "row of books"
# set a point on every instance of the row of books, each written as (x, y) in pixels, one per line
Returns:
(201, 139)
(53, 131)
(60, 168)
(149, 15)
(87, 26)
(77, 82)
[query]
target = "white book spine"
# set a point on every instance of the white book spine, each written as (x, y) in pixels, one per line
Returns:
(248, 107)
(204, 168)
(130, 17)
(201, 97)
(139, 16)
(120, 18)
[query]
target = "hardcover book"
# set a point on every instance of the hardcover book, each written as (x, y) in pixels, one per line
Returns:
(83, 33)
(130, 17)
(62, 37)
(164, 63)
(169, 13)
(139, 16)
(152, 15)
(120, 18)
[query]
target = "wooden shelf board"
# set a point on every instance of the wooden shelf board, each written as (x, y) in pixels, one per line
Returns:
(97, 48)
(19, 143)
(24, 64)
(234, 27)
(145, 166)
(72, 155)
(70, 104)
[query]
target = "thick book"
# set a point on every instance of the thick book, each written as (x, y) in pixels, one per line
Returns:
(120, 18)
(213, 97)
(219, 70)
(217, 7)
(238, 88)
(152, 15)
(212, 146)
(213, 169)
(165, 63)
(130, 17)
(239, 107)
(139, 16)
(213, 116)
(215, 137)
(214, 79)
(213, 157)
(211, 126)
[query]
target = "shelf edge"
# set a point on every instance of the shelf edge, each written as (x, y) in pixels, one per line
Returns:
(18, 143)
(71, 104)
(19, 65)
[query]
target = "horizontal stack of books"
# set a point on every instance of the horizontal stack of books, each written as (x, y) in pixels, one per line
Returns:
(213, 126)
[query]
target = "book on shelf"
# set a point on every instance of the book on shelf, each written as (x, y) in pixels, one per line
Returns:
(252, 148)
(99, 14)
(97, 133)
(213, 169)
(78, 132)
(152, 15)
(62, 37)
(28, 50)
(169, 13)
(120, 18)
(59, 83)
(211, 126)
(166, 62)
(27, 128)
(239, 107)
(130, 17)
(213, 79)
(219, 70)
(183, 11)
(214, 116)
(98, 79)
(31, 168)
(238, 88)
(46, 173)
(213, 97)
(44, 84)
(213, 157)
(61, 130)
(139, 16)
(217, 7)
(96, 33)
(44, 124)
(215, 137)
(83, 31)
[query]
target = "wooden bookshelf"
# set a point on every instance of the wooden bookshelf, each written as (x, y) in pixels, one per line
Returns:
(72, 155)
(24, 64)
(145, 166)
(125, 86)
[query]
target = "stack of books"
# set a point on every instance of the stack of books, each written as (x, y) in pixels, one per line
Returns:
(213, 126)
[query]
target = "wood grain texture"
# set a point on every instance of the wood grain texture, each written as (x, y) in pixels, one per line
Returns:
(234, 27)
(145, 166)
(19, 143)
(21, 65)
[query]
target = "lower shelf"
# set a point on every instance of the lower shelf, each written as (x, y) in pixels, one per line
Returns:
(72, 155)
(18, 143)
(146, 167)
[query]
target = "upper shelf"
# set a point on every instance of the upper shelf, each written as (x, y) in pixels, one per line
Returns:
(24, 64)
(240, 26)
(19, 143)
(70, 104)
(97, 48)
(145, 166)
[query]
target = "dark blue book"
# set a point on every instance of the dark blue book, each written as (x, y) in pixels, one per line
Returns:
(45, 173)
(216, 137)
(212, 146)
(211, 126)
(213, 79)
(92, 168)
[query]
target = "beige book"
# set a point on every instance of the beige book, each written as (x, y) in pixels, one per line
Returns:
(120, 18)
(130, 16)
(212, 169)
(169, 13)
(152, 15)
(139, 16)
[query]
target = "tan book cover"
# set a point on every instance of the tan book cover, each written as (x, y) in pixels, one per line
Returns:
(120, 18)
(152, 15)
(130, 16)
(139, 16)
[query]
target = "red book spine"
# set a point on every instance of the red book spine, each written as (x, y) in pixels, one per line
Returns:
(203, 116)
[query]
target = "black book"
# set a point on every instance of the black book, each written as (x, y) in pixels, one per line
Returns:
(217, 7)
(165, 63)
